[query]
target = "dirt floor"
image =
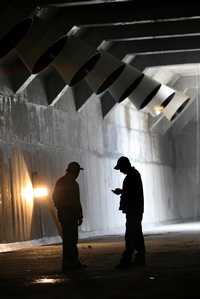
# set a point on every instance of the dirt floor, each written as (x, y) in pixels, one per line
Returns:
(172, 271)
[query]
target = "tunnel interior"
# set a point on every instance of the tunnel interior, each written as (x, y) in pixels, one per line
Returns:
(43, 139)
(50, 115)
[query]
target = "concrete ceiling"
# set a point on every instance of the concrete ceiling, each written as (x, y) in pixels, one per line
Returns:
(150, 33)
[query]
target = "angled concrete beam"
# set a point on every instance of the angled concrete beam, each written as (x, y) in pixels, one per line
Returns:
(53, 83)
(190, 113)
(141, 61)
(147, 29)
(161, 125)
(107, 103)
(184, 119)
(18, 75)
(110, 12)
(163, 77)
(55, 87)
(122, 48)
(81, 93)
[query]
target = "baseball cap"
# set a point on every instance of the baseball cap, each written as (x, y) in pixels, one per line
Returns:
(74, 166)
(122, 161)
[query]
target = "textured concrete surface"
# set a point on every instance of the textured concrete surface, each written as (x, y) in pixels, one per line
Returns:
(34, 137)
(172, 271)
(47, 138)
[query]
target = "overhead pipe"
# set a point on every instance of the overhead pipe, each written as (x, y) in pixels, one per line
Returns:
(135, 86)
(16, 21)
(48, 44)
(41, 45)
(160, 100)
(75, 60)
(43, 42)
(176, 106)
(129, 78)
(104, 73)
(142, 94)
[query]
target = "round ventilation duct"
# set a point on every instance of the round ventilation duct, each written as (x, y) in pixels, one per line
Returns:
(176, 106)
(43, 43)
(49, 55)
(142, 94)
(75, 60)
(104, 73)
(125, 83)
(161, 99)
(15, 24)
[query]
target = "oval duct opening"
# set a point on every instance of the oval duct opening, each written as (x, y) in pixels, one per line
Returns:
(180, 109)
(109, 81)
(129, 90)
(51, 53)
(166, 101)
(85, 69)
(149, 97)
(14, 36)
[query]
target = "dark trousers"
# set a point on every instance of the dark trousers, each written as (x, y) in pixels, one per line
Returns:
(70, 240)
(134, 239)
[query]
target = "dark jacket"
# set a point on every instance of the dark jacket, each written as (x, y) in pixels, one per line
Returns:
(66, 197)
(132, 199)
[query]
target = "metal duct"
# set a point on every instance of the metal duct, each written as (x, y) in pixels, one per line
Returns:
(15, 24)
(49, 55)
(105, 72)
(125, 83)
(142, 94)
(176, 106)
(160, 100)
(75, 60)
(43, 43)
(19, 77)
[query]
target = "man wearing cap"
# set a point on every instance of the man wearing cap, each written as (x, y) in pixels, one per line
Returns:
(66, 197)
(132, 204)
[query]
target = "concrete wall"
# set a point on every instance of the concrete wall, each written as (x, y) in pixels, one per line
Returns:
(187, 172)
(186, 140)
(34, 137)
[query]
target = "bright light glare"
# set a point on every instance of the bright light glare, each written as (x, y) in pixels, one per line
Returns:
(39, 192)
(158, 109)
(27, 193)
(49, 280)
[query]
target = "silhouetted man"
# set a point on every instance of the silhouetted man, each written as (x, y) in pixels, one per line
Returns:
(67, 201)
(132, 204)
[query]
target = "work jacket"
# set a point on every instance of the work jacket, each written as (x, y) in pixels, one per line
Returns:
(132, 199)
(66, 197)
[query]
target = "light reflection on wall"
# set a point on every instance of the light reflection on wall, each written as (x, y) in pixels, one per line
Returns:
(22, 198)
(46, 280)
(40, 192)
(27, 193)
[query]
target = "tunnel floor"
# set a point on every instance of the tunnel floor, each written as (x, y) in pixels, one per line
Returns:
(172, 271)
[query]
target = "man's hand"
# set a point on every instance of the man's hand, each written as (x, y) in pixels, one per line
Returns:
(117, 191)
(80, 221)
